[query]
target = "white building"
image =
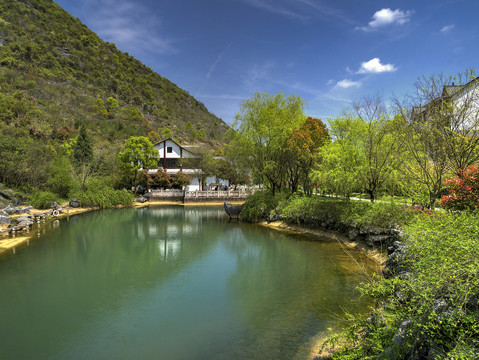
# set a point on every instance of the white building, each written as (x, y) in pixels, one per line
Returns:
(170, 157)
(458, 105)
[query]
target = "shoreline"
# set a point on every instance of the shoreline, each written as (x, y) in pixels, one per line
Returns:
(11, 243)
(331, 236)
(372, 254)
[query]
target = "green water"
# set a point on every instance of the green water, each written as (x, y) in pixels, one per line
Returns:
(170, 283)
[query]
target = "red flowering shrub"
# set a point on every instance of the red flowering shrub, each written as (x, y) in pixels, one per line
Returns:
(463, 191)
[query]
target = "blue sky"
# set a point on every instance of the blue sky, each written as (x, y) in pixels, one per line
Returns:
(331, 53)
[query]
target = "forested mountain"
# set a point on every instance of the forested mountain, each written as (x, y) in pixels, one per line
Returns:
(56, 75)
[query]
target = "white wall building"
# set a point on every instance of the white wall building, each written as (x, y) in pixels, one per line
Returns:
(170, 157)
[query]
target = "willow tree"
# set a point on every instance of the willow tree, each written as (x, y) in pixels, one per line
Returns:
(364, 155)
(263, 125)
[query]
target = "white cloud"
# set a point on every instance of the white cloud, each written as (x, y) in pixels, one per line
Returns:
(346, 83)
(446, 29)
(374, 66)
(386, 17)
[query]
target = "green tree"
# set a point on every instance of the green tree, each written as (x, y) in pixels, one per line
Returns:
(263, 125)
(112, 106)
(100, 107)
(166, 133)
(154, 137)
(138, 154)
(367, 151)
(180, 180)
(203, 164)
(60, 179)
(83, 156)
(82, 149)
(339, 168)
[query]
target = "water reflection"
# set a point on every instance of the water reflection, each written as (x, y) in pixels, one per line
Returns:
(170, 282)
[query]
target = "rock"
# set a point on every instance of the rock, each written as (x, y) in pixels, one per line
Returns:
(5, 219)
(378, 239)
(353, 234)
(6, 194)
(439, 306)
(142, 199)
(74, 203)
(398, 339)
(10, 210)
(54, 205)
(435, 352)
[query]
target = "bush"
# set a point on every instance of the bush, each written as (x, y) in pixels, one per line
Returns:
(103, 197)
(43, 200)
(362, 214)
(439, 297)
(261, 205)
(462, 191)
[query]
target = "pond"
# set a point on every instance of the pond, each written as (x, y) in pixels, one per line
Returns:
(172, 282)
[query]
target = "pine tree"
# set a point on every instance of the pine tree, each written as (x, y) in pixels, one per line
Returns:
(83, 150)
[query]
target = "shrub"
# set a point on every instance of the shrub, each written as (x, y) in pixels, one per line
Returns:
(103, 197)
(261, 205)
(382, 214)
(462, 190)
(43, 199)
(439, 296)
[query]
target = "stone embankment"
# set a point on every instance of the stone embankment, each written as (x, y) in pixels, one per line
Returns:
(16, 222)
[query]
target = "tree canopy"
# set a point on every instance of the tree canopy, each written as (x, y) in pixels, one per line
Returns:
(263, 125)
(138, 154)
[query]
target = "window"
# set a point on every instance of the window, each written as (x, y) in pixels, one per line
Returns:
(169, 163)
(169, 149)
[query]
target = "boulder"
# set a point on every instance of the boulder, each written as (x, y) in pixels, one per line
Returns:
(5, 220)
(74, 203)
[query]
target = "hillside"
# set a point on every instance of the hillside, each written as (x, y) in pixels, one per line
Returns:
(56, 75)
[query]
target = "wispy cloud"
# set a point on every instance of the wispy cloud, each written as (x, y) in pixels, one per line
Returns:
(257, 75)
(212, 68)
(129, 25)
(277, 7)
(329, 11)
(385, 17)
(346, 83)
(447, 29)
(301, 9)
(374, 66)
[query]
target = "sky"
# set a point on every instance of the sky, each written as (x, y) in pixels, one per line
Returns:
(331, 53)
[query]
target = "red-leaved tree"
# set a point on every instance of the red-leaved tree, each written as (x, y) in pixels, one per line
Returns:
(463, 190)
(302, 149)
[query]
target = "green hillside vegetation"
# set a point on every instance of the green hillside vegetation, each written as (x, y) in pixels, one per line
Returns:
(56, 76)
